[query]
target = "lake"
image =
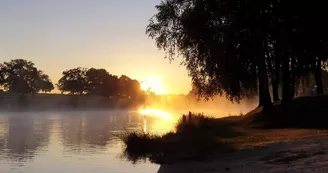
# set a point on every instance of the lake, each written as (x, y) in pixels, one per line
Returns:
(81, 142)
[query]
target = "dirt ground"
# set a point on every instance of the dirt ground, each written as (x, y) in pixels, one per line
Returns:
(270, 151)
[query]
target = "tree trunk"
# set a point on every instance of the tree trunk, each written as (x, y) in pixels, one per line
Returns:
(292, 86)
(261, 93)
(275, 90)
(286, 78)
(274, 80)
(264, 93)
(277, 64)
(303, 88)
(318, 76)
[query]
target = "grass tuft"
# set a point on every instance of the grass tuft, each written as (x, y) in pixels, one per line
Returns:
(197, 137)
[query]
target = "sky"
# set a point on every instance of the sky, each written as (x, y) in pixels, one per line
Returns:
(63, 34)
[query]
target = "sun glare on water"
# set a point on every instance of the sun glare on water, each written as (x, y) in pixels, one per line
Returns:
(154, 84)
(157, 113)
(163, 121)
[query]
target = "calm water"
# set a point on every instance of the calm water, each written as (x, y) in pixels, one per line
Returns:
(81, 142)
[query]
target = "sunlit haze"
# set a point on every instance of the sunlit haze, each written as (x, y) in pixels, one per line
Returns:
(154, 84)
(63, 34)
(157, 113)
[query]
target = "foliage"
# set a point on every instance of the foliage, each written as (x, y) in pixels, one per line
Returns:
(73, 81)
(21, 76)
(2, 75)
(99, 82)
(237, 48)
(203, 133)
(199, 123)
(206, 40)
(129, 87)
(45, 83)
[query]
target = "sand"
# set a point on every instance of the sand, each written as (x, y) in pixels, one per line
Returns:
(308, 155)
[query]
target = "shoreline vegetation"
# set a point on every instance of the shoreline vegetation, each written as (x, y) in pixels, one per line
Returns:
(197, 137)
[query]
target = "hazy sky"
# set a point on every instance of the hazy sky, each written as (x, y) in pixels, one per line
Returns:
(61, 34)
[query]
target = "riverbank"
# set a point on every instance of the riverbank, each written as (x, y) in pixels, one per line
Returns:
(198, 137)
(294, 156)
(205, 143)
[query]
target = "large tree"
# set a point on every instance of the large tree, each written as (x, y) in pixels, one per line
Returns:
(220, 42)
(45, 83)
(2, 75)
(21, 76)
(238, 47)
(129, 87)
(73, 81)
(100, 82)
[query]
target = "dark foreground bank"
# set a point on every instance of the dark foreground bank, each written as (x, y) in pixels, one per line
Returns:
(203, 138)
(294, 156)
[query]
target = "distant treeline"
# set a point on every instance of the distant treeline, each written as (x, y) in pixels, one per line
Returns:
(21, 76)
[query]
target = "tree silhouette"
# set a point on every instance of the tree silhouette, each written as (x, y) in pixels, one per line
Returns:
(73, 81)
(129, 88)
(100, 82)
(21, 76)
(45, 82)
(217, 48)
(2, 75)
(237, 48)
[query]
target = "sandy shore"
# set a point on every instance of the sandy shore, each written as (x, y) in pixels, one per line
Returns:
(308, 155)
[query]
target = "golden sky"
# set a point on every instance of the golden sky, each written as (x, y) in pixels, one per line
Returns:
(63, 34)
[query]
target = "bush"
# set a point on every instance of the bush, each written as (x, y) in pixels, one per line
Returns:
(198, 137)
(199, 123)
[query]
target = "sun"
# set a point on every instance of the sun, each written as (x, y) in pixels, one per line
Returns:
(145, 86)
(154, 84)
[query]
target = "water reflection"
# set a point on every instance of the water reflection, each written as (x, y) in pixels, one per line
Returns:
(22, 136)
(77, 141)
(159, 121)
(144, 124)
(158, 113)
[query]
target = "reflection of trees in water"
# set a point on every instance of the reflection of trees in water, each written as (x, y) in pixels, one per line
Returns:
(87, 131)
(24, 135)
(97, 129)
(71, 131)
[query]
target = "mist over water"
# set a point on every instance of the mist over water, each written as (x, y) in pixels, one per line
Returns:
(216, 107)
(88, 140)
(36, 142)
